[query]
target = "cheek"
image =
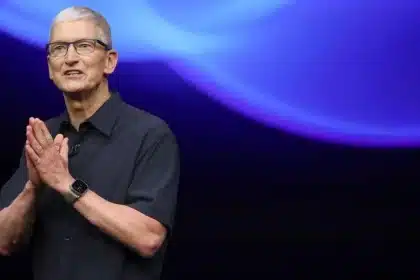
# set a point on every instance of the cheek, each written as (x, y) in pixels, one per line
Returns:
(54, 69)
(95, 70)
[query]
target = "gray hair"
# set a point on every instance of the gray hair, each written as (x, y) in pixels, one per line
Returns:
(85, 13)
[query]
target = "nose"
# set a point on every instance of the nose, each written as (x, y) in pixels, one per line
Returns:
(72, 56)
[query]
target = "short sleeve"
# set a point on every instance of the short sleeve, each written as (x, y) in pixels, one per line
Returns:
(154, 188)
(14, 185)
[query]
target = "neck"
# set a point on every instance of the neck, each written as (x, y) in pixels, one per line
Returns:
(82, 105)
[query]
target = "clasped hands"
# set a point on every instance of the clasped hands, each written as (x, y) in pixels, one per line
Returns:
(47, 157)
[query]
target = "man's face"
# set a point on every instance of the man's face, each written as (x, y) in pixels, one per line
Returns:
(89, 69)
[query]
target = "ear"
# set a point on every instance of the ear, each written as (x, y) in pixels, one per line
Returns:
(111, 62)
(49, 68)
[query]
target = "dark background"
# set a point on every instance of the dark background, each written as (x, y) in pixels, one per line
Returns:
(254, 201)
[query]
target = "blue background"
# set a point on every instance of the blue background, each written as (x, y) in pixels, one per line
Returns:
(298, 123)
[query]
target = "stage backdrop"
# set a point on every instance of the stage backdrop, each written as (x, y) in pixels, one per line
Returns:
(298, 124)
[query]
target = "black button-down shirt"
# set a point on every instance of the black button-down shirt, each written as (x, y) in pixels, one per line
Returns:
(126, 156)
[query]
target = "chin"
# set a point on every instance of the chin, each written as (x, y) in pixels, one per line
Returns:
(73, 88)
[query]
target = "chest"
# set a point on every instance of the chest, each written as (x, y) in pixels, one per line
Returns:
(106, 164)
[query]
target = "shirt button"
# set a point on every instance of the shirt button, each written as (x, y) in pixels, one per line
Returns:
(67, 238)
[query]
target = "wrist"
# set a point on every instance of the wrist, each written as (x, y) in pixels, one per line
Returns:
(29, 191)
(29, 186)
(25, 199)
(65, 184)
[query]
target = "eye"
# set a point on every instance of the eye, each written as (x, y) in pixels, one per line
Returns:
(84, 45)
(58, 47)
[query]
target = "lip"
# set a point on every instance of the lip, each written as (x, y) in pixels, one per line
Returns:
(73, 72)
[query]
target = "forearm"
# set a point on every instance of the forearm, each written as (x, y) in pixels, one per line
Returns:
(124, 223)
(17, 219)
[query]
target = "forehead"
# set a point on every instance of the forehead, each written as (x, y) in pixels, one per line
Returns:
(73, 30)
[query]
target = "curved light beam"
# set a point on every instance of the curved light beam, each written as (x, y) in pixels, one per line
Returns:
(342, 71)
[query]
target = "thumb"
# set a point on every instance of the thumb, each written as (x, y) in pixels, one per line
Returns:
(58, 140)
(64, 148)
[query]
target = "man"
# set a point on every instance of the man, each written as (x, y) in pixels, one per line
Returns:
(96, 189)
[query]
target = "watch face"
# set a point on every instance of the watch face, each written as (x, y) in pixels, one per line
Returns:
(79, 186)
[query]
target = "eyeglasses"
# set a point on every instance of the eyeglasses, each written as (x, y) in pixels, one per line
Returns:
(82, 47)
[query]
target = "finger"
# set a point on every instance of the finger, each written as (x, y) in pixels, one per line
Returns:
(64, 149)
(32, 154)
(32, 141)
(58, 140)
(32, 121)
(29, 162)
(46, 132)
(39, 134)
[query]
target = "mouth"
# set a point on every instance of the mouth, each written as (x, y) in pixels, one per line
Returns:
(73, 73)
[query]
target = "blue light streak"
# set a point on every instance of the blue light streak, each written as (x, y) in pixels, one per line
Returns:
(344, 71)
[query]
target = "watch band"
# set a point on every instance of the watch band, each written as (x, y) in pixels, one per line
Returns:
(71, 197)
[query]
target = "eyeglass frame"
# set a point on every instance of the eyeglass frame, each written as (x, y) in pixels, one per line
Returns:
(67, 44)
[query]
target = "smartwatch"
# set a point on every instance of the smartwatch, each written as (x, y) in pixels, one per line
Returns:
(76, 191)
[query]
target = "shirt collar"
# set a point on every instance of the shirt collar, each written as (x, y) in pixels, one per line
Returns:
(103, 119)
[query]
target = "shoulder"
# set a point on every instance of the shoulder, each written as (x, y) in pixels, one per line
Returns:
(147, 132)
(144, 124)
